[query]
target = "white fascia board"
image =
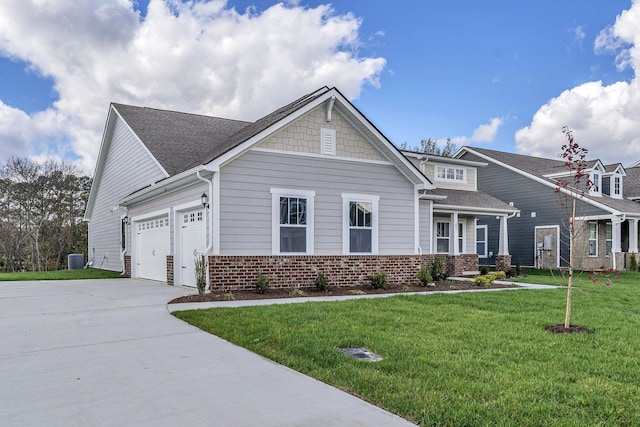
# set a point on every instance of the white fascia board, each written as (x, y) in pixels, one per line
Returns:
(144, 147)
(107, 134)
(473, 209)
(161, 187)
(216, 163)
(407, 169)
(432, 197)
(545, 182)
(441, 159)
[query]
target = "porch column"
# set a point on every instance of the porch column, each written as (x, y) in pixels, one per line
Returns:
(633, 235)
(503, 247)
(453, 232)
(616, 228)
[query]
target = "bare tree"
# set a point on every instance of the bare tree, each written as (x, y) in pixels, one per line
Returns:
(41, 207)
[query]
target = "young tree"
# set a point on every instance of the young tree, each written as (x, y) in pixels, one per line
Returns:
(570, 189)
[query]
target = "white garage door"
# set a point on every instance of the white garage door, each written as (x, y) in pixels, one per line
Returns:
(152, 248)
(192, 240)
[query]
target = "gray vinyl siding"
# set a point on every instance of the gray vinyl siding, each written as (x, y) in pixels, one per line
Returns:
(245, 201)
(127, 167)
(425, 226)
(528, 196)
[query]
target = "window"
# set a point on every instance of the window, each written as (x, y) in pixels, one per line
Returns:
(447, 173)
(442, 237)
(617, 186)
(360, 229)
(481, 241)
(595, 183)
(593, 239)
(292, 212)
(609, 238)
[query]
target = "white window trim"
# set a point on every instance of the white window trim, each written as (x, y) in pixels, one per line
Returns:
(589, 239)
(462, 237)
(616, 194)
(352, 197)
(276, 193)
(485, 241)
(606, 239)
(596, 187)
(435, 236)
(459, 181)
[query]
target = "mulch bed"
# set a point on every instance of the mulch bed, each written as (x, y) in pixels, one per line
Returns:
(447, 285)
(572, 329)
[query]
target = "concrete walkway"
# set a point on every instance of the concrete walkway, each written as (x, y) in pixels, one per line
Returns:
(108, 353)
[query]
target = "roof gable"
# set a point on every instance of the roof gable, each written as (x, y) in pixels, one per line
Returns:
(179, 141)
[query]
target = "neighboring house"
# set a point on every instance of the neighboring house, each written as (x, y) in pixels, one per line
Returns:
(311, 187)
(607, 216)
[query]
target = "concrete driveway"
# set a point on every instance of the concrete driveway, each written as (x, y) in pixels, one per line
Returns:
(108, 353)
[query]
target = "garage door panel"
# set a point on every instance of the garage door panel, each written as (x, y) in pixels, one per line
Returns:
(192, 241)
(152, 248)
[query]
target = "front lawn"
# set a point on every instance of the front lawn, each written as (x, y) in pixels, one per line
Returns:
(463, 359)
(89, 273)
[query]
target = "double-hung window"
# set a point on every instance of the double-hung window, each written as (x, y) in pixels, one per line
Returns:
(593, 238)
(442, 237)
(609, 238)
(360, 224)
(292, 212)
(481, 241)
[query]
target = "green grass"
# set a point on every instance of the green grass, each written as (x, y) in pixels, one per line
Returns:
(89, 273)
(463, 359)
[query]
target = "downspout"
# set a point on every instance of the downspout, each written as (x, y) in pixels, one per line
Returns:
(124, 251)
(210, 220)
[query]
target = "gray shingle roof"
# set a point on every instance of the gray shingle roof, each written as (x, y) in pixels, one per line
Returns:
(540, 166)
(470, 199)
(181, 141)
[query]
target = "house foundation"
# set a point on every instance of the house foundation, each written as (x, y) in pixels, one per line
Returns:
(503, 262)
(239, 272)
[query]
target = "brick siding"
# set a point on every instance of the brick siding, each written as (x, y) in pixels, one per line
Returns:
(300, 271)
(170, 270)
(127, 265)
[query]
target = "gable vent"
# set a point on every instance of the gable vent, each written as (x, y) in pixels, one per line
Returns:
(328, 141)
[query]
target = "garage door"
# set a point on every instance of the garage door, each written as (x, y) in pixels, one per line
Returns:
(152, 248)
(192, 240)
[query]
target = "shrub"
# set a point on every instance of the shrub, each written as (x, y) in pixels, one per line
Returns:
(484, 280)
(357, 292)
(488, 279)
(262, 284)
(519, 268)
(438, 270)
(229, 296)
(484, 270)
(297, 293)
(378, 280)
(424, 275)
(499, 275)
(201, 272)
(633, 262)
(321, 282)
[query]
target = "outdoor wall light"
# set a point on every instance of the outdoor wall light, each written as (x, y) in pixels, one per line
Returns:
(205, 200)
(126, 220)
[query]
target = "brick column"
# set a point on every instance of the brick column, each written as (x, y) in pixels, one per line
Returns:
(503, 262)
(127, 265)
(170, 270)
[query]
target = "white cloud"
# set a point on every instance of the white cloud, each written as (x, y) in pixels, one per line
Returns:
(485, 133)
(605, 118)
(200, 56)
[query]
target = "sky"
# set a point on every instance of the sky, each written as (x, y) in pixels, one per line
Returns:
(498, 74)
